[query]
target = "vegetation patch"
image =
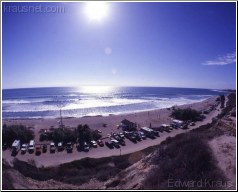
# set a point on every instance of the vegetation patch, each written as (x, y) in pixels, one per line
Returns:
(185, 161)
(13, 132)
(82, 133)
(186, 114)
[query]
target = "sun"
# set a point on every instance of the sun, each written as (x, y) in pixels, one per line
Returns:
(96, 10)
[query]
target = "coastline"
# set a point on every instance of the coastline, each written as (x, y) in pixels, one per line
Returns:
(155, 117)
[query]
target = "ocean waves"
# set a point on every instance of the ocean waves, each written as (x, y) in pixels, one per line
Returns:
(46, 103)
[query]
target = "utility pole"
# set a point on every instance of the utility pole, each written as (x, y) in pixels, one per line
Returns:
(61, 120)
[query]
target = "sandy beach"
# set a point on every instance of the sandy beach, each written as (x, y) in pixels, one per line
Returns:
(155, 117)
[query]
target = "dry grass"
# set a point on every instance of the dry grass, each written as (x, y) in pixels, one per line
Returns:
(185, 158)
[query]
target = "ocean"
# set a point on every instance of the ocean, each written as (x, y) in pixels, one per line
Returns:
(94, 100)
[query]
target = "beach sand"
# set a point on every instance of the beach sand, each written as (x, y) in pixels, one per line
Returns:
(155, 117)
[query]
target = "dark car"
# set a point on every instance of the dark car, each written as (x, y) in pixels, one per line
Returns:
(44, 148)
(109, 144)
(85, 147)
(69, 147)
(38, 149)
(122, 142)
(100, 143)
(142, 135)
(192, 124)
(117, 137)
(115, 143)
(156, 133)
(132, 138)
(127, 134)
(137, 136)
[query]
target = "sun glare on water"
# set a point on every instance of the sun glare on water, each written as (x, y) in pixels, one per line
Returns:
(96, 10)
(96, 89)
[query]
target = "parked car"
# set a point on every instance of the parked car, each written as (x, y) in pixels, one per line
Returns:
(117, 137)
(122, 142)
(60, 146)
(142, 135)
(44, 148)
(85, 147)
(156, 133)
(93, 144)
(99, 131)
(38, 149)
(109, 144)
(130, 136)
(69, 147)
(52, 147)
(31, 147)
(115, 143)
(192, 124)
(24, 148)
(137, 136)
(100, 143)
(122, 135)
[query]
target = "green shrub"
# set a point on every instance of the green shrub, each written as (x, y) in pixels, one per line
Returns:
(186, 114)
(13, 132)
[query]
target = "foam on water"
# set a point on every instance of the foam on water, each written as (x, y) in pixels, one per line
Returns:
(46, 102)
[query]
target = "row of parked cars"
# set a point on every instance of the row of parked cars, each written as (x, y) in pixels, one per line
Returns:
(115, 141)
(53, 147)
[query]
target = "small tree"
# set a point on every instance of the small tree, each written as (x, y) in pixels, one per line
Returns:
(222, 100)
(13, 132)
(185, 114)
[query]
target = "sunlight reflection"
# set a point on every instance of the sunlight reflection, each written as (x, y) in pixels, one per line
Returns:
(96, 89)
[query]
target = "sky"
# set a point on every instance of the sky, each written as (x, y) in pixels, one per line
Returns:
(120, 44)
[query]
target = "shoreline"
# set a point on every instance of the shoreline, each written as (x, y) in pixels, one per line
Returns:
(109, 114)
(155, 117)
(155, 104)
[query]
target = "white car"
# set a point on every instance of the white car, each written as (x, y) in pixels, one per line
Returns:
(122, 135)
(52, 147)
(24, 147)
(93, 143)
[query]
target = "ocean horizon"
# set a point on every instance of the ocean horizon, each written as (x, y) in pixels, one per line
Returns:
(46, 102)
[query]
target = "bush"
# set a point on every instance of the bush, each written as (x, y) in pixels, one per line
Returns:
(185, 158)
(222, 98)
(13, 132)
(186, 114)
(231, 104)
(33, 172)
(63, 135)
(84, 133)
